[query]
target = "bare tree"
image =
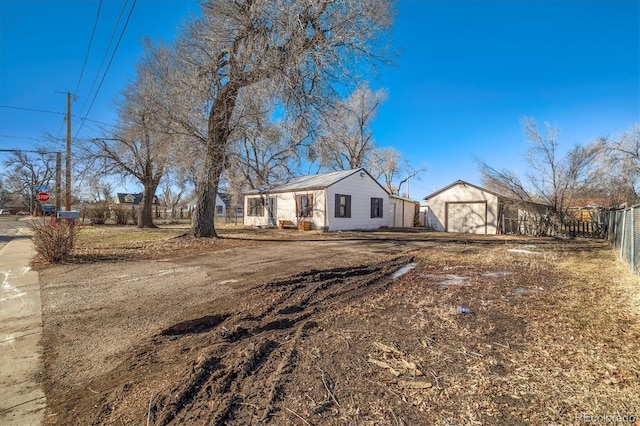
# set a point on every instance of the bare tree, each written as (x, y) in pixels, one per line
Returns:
(504, 182)
(101, 190)
(347, 140)
(28, 171)
(387, 164)
(173, 197)
(262, 149)
(552, 179)
(556, 180)
(621, 166)
(4, 193)
(299, 48)
(139, 146)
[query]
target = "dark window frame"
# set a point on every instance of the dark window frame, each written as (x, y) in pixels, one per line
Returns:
(255, 206)
(377, 207)
(343, 210)
(302, 209)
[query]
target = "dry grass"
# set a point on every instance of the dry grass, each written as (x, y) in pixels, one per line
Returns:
(100, 243)
(555, 337)
(565, 346)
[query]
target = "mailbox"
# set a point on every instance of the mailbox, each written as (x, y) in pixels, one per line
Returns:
(69, 214)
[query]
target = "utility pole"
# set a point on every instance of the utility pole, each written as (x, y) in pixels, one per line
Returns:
(58, 178)
(67, 203)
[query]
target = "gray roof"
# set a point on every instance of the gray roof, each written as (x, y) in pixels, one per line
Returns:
(307, 183)
(135, 199)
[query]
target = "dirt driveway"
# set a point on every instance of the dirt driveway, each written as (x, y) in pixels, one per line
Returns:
(296, 331)
(104, 309)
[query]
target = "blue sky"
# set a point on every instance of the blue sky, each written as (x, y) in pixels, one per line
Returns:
(468, 72)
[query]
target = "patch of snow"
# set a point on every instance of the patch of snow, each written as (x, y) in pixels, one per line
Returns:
(498, 274)
(400, 272)
(524, 250)
(526, 290)
(447, 280)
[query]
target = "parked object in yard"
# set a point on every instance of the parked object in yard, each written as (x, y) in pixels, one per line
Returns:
(4, 212)
(463, 310)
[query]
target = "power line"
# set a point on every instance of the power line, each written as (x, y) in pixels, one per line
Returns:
(31, 109)
(21, 137)
(86, 57)
(106, 52)
(54, 112)
(110, 59)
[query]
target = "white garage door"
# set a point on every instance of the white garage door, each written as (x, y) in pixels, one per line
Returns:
(467, 217)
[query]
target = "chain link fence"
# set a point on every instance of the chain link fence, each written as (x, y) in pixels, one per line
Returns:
(623, 232)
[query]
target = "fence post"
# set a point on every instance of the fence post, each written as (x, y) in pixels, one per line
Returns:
(632, 258)
(624, 228)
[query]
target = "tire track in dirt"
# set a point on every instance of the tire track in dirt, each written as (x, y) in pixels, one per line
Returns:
(241, 377)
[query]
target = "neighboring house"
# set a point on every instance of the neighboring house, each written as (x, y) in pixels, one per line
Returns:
(591, 209)
(467, 208)
(233, 209)
(132, 199)
(337, 201)
(403, 211)
(221, 206)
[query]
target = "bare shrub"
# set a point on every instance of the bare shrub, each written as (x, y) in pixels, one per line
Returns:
(134, 214)
(54, 243)
(98, 213)
(121, 215)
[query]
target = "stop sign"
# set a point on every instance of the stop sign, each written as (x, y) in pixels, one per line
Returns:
(42, 196)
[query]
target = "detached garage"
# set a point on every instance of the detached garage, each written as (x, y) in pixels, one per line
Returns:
(462, 207)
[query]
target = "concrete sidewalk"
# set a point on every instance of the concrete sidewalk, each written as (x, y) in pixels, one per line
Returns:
(22, 399)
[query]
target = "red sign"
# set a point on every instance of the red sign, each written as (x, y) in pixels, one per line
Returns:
(42, 196)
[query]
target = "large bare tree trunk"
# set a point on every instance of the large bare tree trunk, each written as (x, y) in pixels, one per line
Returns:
(202, 223)
(145, 215)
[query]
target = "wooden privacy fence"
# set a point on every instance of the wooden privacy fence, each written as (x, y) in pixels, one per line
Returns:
(579, 228)
(543, 227)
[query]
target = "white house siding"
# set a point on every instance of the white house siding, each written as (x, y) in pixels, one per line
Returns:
(285, 206)
(463, 208)
(361, 187)
(220, 210)
(253, 220)
(402, 212)
(221, 207)
(357, 184)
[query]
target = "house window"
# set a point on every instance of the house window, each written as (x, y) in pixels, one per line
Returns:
(218, 209)
(304, 205)
(343, 205)
(256, 206)
(376, 207)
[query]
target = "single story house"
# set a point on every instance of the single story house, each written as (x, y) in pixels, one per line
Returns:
(132, 199)
(221, 206)
(233, 209)
(337, 201)
(467, 208)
